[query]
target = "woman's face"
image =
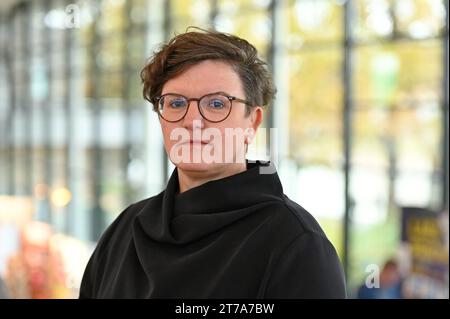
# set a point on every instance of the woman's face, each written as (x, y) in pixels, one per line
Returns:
(195, 144)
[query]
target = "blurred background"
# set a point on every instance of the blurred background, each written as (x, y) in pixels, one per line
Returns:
(360, 138)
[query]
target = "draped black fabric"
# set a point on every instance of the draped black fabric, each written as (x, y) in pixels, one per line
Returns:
(236, 237)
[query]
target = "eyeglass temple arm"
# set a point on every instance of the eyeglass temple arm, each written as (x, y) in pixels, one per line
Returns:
(240, 100)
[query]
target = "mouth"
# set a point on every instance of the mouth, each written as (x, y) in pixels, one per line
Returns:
(195, 142)
(198, 142)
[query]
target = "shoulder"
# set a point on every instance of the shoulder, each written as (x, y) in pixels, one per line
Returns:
(307, 265)
(307, 268)
(294, 225)
(295, 219)
(117, 233)
(120, 227)
(112, 242)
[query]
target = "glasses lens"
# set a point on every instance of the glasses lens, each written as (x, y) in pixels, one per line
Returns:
(172, 107)
(215, 107)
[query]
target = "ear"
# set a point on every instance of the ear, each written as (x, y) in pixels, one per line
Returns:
(256, 118)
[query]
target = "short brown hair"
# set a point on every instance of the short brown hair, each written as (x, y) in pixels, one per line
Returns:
(192, 47)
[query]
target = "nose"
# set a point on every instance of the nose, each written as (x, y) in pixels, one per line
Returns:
(193, 114)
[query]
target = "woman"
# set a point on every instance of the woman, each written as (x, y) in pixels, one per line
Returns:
(222, 228)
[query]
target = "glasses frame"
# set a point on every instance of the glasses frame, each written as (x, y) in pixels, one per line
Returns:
(229, 97)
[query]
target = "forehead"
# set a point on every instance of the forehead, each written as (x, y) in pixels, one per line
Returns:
(203, 78)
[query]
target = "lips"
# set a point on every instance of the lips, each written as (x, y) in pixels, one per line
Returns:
(198, 142)
(194, 142)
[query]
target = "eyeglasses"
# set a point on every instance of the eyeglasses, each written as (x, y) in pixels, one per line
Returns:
(214, 107)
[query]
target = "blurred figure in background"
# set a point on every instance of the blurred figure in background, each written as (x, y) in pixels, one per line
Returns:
(27, 271)
(390, 284)
(3, 290)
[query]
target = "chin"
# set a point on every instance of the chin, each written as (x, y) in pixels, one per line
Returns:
(196, 161)
(198, 167)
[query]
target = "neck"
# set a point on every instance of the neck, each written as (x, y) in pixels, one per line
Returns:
(190, 179)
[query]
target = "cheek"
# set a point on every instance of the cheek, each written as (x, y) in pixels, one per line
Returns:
(166, 132)
(236, 122)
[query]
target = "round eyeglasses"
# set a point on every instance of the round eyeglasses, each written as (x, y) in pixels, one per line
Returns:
(214, 107)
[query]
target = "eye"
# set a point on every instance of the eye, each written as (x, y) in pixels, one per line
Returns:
(216, 104)
(177, 103)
